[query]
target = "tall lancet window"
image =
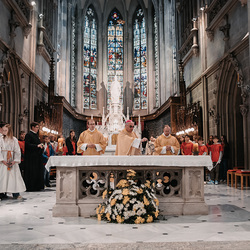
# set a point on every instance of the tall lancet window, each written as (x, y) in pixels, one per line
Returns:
(90, 59)
(73, 58)
(156, 58)
(115, 52)
(140, 60)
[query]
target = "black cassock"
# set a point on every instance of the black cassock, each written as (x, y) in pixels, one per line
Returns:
(34, 169)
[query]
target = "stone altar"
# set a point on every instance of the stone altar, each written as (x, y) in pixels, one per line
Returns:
(81, 180)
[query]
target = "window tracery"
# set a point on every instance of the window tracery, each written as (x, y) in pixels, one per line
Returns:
(140, 60)
(90, 59)
(115, 52)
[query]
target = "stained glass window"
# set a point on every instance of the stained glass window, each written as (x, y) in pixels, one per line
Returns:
(115, 52)
(156, 58)
(73, 59)
(90, 60)
(140, 60)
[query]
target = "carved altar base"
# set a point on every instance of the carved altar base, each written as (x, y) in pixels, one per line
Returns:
(179, 181)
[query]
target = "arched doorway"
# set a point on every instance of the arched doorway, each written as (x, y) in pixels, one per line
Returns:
(10, 96)
(228, 102)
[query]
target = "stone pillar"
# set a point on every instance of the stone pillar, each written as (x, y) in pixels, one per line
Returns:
(244, 112)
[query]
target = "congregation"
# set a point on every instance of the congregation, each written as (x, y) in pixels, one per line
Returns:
(22, 161)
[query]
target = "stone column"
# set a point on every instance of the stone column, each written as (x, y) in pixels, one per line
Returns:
(244, 112)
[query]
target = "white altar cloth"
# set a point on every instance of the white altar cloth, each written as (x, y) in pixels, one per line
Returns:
(140, 160)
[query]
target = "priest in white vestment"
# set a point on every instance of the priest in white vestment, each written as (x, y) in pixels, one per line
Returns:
(166, 144)
(127, 141)
(91, 141)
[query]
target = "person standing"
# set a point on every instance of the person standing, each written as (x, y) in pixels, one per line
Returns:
(21, 142)
(127, 141)
(187, 146)
(225, 158)
(202, 148)
(166, 144)
(11, 180)
(2, 124)
(150, 147)
(71, 143)
(34, 169)
(216, 155)
(91, 141)
(210, 143)
(47, 152)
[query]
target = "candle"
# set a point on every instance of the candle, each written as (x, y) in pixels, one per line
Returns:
(8, 76)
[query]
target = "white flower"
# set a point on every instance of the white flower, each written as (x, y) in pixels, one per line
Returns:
(148, 194)
(113, 216)
(127, 205)
(133, 193)
(133, 201)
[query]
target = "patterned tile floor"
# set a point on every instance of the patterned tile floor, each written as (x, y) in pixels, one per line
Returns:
(30, 222)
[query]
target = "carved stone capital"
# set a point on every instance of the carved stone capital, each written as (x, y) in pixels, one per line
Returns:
(225, 29)
(210, 34)
(40, 48)
(20, 118)
(195, 49)
(244, 110)
(27, 30)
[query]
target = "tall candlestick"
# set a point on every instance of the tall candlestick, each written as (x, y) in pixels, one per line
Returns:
(238, 77)
(8, 76)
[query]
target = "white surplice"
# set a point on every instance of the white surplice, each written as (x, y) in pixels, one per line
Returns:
(11, 180)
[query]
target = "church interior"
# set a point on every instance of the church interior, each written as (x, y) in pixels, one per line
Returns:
(184, 63)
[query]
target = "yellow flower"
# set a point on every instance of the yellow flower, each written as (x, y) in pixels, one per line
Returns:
(122, 184)
(119, 219)
(108, 216)
(149, 219)
(131, 172)
(103, 209)
(139, 191)
(139, 220)
(112, 203)
(125, 200)
(104, 194)
(156, 202)
(145, 201)
(99, 217)
(153, 185)
(97, 210)
(156, 213)
(147, 184)
(125, 191)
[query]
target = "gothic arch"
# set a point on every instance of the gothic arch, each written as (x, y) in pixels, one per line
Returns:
(11, 95)
(228, 108)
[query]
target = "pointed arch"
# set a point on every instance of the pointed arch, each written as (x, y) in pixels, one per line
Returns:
(228, 108)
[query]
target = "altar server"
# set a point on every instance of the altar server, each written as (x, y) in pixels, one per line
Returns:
(166, 144)
(11, 180)
(127, 141)
(91, 141)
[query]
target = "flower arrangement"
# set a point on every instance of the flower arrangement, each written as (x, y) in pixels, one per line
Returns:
(129, 202)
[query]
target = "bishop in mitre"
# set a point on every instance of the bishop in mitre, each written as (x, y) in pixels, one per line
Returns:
(91, 141)
(166, 144)
(127, 141)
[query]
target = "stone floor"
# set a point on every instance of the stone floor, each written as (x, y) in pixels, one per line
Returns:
(29, 225)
